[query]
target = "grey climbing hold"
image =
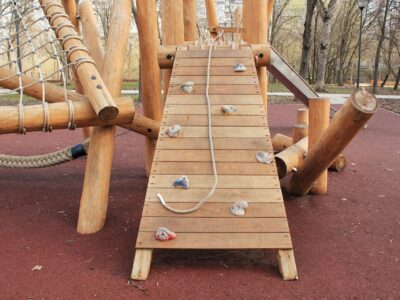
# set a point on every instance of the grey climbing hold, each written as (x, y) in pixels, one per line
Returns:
(240, 68)
(187, 87)
(264, 157)
(182, 182)
(173, 131)
(239, 208)
(228, 109)
(163, 234)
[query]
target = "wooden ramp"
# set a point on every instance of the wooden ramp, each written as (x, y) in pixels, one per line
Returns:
(237, 139)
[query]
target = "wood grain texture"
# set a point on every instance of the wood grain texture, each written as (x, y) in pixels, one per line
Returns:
(217, 121)
(214, 71)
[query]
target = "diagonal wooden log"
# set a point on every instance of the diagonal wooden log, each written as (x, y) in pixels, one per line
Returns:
(53, 93)
(94, 200)
(88, 75)
(84, 116)
(354, 114)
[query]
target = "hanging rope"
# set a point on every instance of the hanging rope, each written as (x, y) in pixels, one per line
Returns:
(211, 142)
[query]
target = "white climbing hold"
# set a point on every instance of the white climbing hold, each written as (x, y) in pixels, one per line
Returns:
(228, 109)
(163, 234)
(182, 182)
(187, 87)
(239, 208)
(264, 157)
(173, 131)
(240, 68)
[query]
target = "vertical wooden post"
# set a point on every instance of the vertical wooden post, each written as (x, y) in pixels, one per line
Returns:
(150, 70)
(302, 116)
(94, 201)
(190, 20)
(318, 122)
(238, 24)
(255, 18)
(212, 17)
(172, 31)
(353, 115)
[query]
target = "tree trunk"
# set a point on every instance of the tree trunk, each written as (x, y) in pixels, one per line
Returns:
(396, 85)
(379, 48)
(305, 55)
(326, 16)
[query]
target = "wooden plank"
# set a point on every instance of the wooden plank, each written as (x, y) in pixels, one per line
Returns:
(287, 264)
(260, 144)
(215, 99)
(228, 132)
(215, 79)
(214, 225)
(216, 62)
(216, 210)
(219, 53)
(204, 155)
(214, 71)
(141, 264)
(205, 168)
(221, 195)
(224, 181)
(243, 110)
(218, 241)
(217, 90)
(217, 121)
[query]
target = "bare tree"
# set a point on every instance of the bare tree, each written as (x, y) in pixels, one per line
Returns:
(305, 55)
(326, 14)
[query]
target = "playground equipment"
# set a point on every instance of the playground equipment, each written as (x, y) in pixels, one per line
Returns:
(209, 136)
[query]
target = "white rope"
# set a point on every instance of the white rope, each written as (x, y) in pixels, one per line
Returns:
(211, 142)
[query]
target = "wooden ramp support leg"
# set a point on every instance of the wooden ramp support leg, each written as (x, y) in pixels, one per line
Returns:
(360, 107)
(287, 264)
(142, 264)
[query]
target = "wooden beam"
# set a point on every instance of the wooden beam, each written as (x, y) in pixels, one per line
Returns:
(167, 53)
(84, 116)
(302, 116)
(150, 71)
(53, 93)
(94, 200)
(172, 31)
(354, 114)
(287, 264)
(190, 20)
(142, 264)
(299, 132)
(318, 123)
(212, 17)
(281, 142)
(88, 75)
(291, 158)
(91, 32)
(255, 26)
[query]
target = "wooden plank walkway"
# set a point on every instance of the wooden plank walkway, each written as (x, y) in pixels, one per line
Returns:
(237, 138)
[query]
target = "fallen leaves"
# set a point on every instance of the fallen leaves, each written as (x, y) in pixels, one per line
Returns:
(37, 268)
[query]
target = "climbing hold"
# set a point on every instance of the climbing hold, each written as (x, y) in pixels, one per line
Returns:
(163, 234)
(240, 68)
(264, 157)
(228, 109)
(173, 131)
(239, 208)
(187, 87)
(182, 182)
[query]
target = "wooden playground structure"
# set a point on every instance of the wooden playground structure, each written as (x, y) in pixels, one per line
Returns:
(212, 147)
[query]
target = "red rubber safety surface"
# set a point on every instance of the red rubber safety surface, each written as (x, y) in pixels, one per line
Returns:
(347, 243)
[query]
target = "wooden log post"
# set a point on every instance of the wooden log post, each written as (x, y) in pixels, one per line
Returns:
(255, 18)
(212, 16)
(354, 114)
(280, 142)
(94, 200)
(291, 158)
(299, 132)
(84, 116)
(90, 30)
(339, 164)
(319, 110)
(190, 20)
(88, 75)
(238, 24)
(150, 71)
(302, 116)
(173, 32)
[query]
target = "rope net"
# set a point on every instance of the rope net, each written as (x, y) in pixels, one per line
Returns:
(29, 47)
